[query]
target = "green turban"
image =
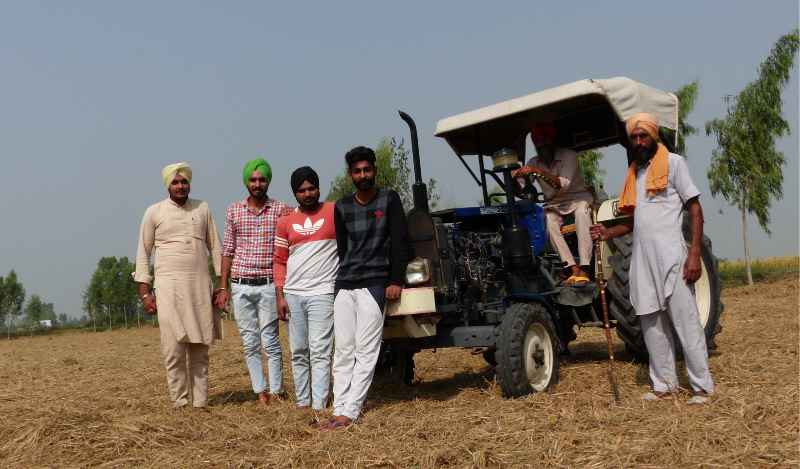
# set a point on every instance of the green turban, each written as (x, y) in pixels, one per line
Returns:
(260, 165)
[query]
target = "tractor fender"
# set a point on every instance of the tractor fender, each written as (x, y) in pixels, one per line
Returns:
(524, 297)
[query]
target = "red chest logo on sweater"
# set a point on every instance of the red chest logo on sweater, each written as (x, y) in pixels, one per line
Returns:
(378, 214)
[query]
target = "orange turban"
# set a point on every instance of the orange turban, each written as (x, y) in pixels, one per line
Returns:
(644, 120)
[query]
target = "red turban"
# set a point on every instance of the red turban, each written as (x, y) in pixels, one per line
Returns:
(540, 127)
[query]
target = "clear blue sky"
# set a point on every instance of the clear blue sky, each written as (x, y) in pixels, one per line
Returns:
(97, 97)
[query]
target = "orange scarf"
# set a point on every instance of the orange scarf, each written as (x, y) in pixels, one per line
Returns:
(656, 180)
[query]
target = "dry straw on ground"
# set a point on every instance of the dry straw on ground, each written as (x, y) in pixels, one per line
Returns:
(100, 400)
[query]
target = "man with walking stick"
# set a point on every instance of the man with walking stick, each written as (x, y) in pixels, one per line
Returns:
(663, 272)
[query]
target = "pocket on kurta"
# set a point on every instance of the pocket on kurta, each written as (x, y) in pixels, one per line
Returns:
(198, 228)
(661, 197)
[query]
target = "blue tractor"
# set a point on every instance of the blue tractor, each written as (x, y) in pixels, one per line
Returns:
(486, 278)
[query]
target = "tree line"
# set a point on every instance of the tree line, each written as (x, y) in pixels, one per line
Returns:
(112, 295)
(13, 306)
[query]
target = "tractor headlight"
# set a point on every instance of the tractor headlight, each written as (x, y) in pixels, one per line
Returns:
(418, 272)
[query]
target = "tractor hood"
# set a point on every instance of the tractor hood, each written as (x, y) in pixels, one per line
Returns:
(587, 114)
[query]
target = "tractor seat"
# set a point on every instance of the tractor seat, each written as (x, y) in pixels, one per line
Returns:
(569, 225)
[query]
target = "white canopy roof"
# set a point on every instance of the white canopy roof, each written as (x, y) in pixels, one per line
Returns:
(506, 124)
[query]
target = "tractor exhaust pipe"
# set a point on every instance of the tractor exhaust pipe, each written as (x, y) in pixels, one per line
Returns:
(418, 190)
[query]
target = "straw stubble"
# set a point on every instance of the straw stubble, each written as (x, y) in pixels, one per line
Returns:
(100, 400)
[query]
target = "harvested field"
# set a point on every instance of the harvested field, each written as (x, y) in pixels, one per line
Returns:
(100, 400)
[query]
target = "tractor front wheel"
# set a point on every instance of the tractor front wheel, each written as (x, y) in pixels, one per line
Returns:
(395, 364)
(527, 350)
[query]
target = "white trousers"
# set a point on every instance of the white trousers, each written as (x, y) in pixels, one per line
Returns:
(682, 313)
(357, 328)
(582, 223)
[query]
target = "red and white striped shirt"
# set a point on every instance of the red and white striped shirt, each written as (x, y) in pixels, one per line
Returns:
(250, 238)
(306, 258)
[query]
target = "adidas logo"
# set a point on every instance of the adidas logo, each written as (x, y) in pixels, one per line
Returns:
(307, 227)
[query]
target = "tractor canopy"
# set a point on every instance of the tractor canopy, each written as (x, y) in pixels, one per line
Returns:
(587, 114)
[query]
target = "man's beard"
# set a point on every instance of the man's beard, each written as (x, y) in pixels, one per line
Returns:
(546, 153)
(257, 195)
(642, 154)
(365, 184)
(308, 202)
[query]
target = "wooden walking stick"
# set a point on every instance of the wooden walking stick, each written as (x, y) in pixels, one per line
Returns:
(601, 282)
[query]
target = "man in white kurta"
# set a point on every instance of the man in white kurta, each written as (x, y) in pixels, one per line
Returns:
(563, 168)
(180, 232)
(659, 293)
(663, 271)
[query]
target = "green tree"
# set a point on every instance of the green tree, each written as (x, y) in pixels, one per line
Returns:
(589, 162)
(127, 289)
(110, 287)
(687, 98)
(63, 319)
(13, 299)
(745, 167)
(33, 311)
(93, 297)
(494, 200)
(112, 291)
(391, 161)
(48, 311)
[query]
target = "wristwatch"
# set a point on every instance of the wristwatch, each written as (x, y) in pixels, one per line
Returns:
(145, 296)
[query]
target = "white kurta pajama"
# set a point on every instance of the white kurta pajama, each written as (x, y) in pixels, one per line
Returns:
(572, 199)
(658, 292)
(180, 238)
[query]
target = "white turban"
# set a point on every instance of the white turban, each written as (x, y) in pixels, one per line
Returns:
(168, 174)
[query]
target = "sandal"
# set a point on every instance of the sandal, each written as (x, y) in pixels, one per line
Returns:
(568, 281)
(339, 425)
(327, 424)
(654, 395)
(700, 398)
(581, 281)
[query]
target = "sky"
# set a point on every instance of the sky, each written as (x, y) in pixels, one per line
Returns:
(98, 97)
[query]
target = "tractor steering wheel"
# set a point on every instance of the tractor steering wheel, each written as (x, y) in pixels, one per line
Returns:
(531, 193)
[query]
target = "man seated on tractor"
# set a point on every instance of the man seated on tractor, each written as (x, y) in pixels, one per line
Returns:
(560, 165)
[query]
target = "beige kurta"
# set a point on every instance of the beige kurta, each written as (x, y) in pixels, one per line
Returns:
(180, 239)
(572, 199)
(573, 192)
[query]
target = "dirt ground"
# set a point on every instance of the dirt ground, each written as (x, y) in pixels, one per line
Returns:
(100, 400)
